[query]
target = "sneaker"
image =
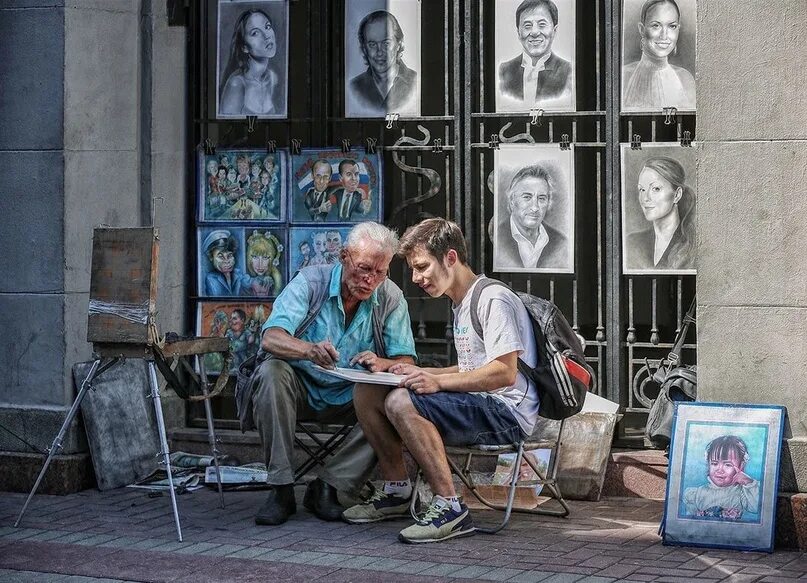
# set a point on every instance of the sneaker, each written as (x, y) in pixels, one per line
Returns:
(440, 522)
(380, 506)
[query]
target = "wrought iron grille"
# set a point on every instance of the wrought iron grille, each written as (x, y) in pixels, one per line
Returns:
(440, 163)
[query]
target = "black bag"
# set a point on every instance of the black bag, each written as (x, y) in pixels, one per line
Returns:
(676, 383)
(562, 375)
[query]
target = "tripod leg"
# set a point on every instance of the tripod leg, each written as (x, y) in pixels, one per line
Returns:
(158, 410)
(211, 434)
(56, 446)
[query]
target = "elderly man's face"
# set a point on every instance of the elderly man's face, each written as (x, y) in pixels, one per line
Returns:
(350, 177)
(322, 176)
(536, 31)
(364, 268)
(380, 47)
(529, 201)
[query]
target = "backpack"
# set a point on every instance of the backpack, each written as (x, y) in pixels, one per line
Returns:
(319, 279)
(562, 376)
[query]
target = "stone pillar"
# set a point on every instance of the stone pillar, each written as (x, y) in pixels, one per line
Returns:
(752, 213)
(92, 111)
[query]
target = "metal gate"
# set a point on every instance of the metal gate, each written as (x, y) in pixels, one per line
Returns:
(439, 164)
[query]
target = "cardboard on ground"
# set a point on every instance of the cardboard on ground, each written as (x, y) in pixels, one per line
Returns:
(363, 376)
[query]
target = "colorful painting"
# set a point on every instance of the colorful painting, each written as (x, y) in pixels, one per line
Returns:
(235, 261)
(242, 185)
(315, 246)
(332, 186)
(240, 323)
(504, 469)
(723, 475)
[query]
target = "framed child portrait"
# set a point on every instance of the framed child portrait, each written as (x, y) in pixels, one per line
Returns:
(240, 323)
(332, 186)
(242, 185)
(315, 246)
(236, 261)
(723, 476)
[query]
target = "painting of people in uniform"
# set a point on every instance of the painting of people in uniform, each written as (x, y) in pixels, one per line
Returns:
(658, 209)
(239, 261)
(252, 59)
(533, 214)
(240, 323)
(315, 246)
(658, 55)
(382, 57)
(534, 52)
(242, 185)
(331, 186)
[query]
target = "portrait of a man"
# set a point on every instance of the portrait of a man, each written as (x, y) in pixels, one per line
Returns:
(349, 200)
(533, 216)
(537, 77)
(382, 59)
(317, 200)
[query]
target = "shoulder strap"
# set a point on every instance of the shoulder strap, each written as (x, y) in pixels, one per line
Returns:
(675, 354)
(475, 295)
(318, 278)
(389, 297)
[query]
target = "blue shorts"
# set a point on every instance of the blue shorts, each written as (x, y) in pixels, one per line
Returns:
(468, 418)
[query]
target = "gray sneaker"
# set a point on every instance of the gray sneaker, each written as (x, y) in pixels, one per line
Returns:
(440, 522)
(380, 506)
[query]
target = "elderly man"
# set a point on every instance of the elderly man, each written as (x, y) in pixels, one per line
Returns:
(537, 73)
(329, 315)
(317, 201)
(387, 84)
(524, 240)
(349, 198)
(484, 399)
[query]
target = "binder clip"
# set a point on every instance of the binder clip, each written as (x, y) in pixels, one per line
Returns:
(535, 116)
(345, 145)
(437, 145)
(686, 139)
(636, 142)
(669, 115)
(295, 146)
(371, 142)
(251, 119)
(392, 120)
(210, 148)
(271, 146)
(493, 144)
(564, 142)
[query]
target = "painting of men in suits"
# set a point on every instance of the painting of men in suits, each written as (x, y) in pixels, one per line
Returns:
(541, 75)
(534, 209)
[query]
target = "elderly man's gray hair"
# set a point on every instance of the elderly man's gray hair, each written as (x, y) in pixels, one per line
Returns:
(532, 171)
(386, 238)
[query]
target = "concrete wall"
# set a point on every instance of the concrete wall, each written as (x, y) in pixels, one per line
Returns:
(92, 111)
(752, 212)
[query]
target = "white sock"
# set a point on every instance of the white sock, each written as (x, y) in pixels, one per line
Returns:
(402, 488)
(454, 501)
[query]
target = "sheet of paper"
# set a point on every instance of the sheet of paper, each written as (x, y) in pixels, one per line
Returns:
(363, 376)
(596, 404)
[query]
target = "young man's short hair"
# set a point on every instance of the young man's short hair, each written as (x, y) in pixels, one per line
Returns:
(437, 236)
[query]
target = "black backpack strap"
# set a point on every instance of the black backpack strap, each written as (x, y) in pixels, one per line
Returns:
(319, 279)
(675, 354)
(389, 298)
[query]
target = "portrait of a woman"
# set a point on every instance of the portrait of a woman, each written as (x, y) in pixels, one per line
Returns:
(253, 82)
(263, 276)
(668, 205)
(653, 83)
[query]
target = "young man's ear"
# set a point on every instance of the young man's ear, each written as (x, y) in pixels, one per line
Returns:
(451, 257)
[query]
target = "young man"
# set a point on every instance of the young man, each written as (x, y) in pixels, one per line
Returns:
(482, 400)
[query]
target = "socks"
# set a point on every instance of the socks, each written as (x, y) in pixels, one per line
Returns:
(455, 503)
(402, 489)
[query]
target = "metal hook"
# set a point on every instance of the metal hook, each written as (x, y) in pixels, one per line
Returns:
(493, 144)
(271, 146)
(522, 137)
(536, 114)
(210, 148)
(371, 142)
(437, 146)
(345, 145)
(251, 119)
(669, 115)
(392, 120)
(295, 146)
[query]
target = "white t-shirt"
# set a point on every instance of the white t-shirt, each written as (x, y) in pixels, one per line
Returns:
(507, 328)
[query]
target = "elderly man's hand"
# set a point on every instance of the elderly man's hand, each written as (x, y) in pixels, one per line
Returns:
(368, 360)
(323, 353)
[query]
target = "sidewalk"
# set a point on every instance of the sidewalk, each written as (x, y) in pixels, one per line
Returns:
(126, 535)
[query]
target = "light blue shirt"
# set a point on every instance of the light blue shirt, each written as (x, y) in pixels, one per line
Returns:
(291, 307)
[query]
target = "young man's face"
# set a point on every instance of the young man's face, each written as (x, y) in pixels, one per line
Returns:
(722, 472)
(319, 243)
(429, 273)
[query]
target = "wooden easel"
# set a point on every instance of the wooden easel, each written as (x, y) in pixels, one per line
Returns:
(121, 324)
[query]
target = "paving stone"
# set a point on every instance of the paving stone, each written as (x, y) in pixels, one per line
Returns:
(441, 570)
(531, 577)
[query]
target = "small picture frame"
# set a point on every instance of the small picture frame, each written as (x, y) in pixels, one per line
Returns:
(238, 261)
(533, 209)
(534, 51)
(332, 186)
(252, 59)
(315, 245)
(242, 185)
(240, 322)
(723, 476)
(659, 195)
